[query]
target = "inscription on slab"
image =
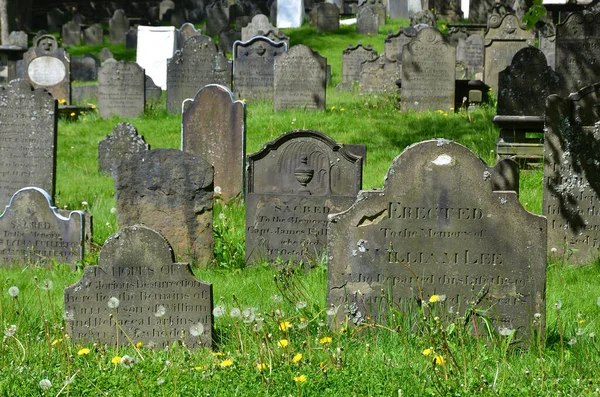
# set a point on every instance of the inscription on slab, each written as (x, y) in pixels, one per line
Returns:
(352, 58)
(328, 18)
(379, 75)
(367, 21)
(138, 287)
(120, 145)
(470, 52)
(121, 90)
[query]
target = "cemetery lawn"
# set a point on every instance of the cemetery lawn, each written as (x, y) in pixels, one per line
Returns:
(294, 352)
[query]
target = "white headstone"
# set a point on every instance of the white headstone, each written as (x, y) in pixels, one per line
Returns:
(290, 13)
(155, 45)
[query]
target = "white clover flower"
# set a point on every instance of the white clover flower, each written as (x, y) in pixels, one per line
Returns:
(127, 361)
(235, 313)
(113, 210)
(300, 305)
(217, 190)
(197, 329)
(11, 330)
(13, 291)
(46, 285)
(160, 381)
(45, 384)
(505, 331)
(218, 311)
(558, 305)
(113, 302)
(221, 216)
(84, 203)
(160, 311)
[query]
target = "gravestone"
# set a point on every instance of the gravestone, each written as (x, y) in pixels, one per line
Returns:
(352, 58)
(503, 38)
(159, 301)
(153, 92)
(71, 34)
(379, 76)
(479, 10)
(121, 90)
(94, 35)
(428, 63)
(290, 13)
(398, 9)
(118, 26)
(259, 23)
(227, 38)
(378, 7)
(300, 78)
(367, 22)
(55, 19)
(49, 67)
(165, 8)
(547, 43)
(217, 18)
(294, 183)
(328, 17)
(186, 32)
(121, 144)
(448, 10)
(424, 17)
(84, 68)
(394, 43)
(254, 67)
(470, 52)
(577, 55)
(131, 39)
(105, 54)
(17, 39)
(213, 127)
(275, 35)
(156, 44)
(199, 63)
(34, 231)
(571, 176)
(170, 191)
(439, 226)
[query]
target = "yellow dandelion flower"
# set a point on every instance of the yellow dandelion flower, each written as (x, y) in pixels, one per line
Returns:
(581, 322)
(297, 358)
(72, 114)
(451, 108)
(443, 26)
(284, 326)
(217, 354)
(322, 364)
(261, 366)
(139, 344)
(434, 298)
(283, 343)
(226, 363)
(199, 368)
(300, 379)
(325, 339)
(85, 119)
(116, 360)
(81, 112)
(342, 109)
(445, 114)
(83, 351)
(439, 360)
(427, 352)
(93, 106)
(333, 108)
(56, 341)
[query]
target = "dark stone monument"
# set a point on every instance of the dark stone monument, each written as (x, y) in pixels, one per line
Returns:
(352, 58)
(328, 17)
(227, 38)
(71, 34)
(170, 191)
(379, 76)
(300, 79)
(439, 226)
(49, 67)
(121, 90)
(199, 63)
(118, 27)
(131, 39)
(254, 67)
(260, 23)
(138, 286)
(367, 21)
(94, 35)
(213, 128)
(479, 10)
(34, 231)
(186, 32)
(428, 63)
(394, 43)
(217, 18)
(547, 43)
(294, 183)
(84, 68)
(122, 144)
(55, 18)
(153, 92)
(470, 52)
(105, 54)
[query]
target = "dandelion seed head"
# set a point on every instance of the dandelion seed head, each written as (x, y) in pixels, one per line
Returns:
(45, 384)
(160, 311)
(197, 329)
(46, 285)
(558, 305)
(10, 331)
(332, 311)
(218, 311)
(572, 341)
(113, 302)
(221, 216)
(249, 315)
(127, 361)
(160, 381)
(113, 210)
(303, 323)
(300, 305)
(579, 332)
(218, 190)
(235, 313)
(505, 331)
(278, 298)
(13, 291)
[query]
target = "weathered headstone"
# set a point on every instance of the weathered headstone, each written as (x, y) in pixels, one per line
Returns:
(170, 191)
(227, 38)
(300, 79)
(352, 58)
(118, 26)
(94, 35)
(17, 39)
(49, 67)
(156, 44)
(84, 68)
(153, 92)
(290, 13)
(217, 18)
(294, 183)
(121, 144)
(71, 34)
(470, 52)
(260, 23)
(186, 32)
(398, 9)
(394, 43)
(424, 17)
(105, 54)
(139, 289)
(165, 8)
(328, 17)
(275, 35)
(121, 90)
(214, 128)
(479, 10)
(131, 39)
(449, 10)
(367, 21)
(428, 63)
(254, 67)
(199, 63)
(378, 7)
(379, 75)
(33, 231)
(547, 42)
(439, 226)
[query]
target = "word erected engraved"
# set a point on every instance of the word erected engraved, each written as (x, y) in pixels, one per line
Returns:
(28, 122)
(48, 66)
(572, 175)
(294, 182)
(32, 230)
(138, 288)
(121, 90)
(438, 227)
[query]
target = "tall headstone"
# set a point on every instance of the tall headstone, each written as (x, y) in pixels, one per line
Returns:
(138, 289)
(290, 13)
(118, 26)
(259, 23)
(214, 128)
(294, 183)
(378, 7)
(94, 35)
(439, 226)
(156, 44)
(121, 90)
(49, 67)
(394, 43)
(71, 34)
(367, 22)
(254, 67)
(328, 17)
(300, 79)
(84, 68)
(170, 191)
(398, 9)
(470, 52)
(352, 58)
(428, 63)
(33, 231)
(121, 144)
(217, 18)
(153, 92)
(379, 75)
(547, 42)
(198, 64)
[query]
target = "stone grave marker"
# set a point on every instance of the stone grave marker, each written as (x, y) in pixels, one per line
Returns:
(394, 43)
(428, 73)
(105, 54)
(300, 78)
(118, 26)
(379, 75)
(186, 32)
(165, 8)
(470, 52)
(378, 7)
(290, 13)
(156, 44)
(214, 128)
(328, 17)
(84, 68)
(153, 92)
(449, 10)
(352, 58)
(227, 38)
(170, 191)
(55, 19)
(198, 64)
(138, 286)
(424, 17)
(71, 34)
(217, 18)
(121, 90)
(439, 226)
(33, 231)
(259, 23)
(398, 9)
(121, 144)
(17, 39)
(275, 35)
(294, 183)
(49, 67)
(94, 35)
(254, 67)
(367, 22)
(479, 10)
(503, 38)
(572, 175)
(131, 39)
(547, 43)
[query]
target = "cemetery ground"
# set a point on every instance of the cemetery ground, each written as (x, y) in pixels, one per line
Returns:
(291, 350)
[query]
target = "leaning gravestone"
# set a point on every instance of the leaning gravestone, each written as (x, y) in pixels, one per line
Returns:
(394, 43)
(28, 125)
(94, 35)
(118, 27)
(254, 67)
(121, 90)
(138, 287)
(122, 144)
(49, 67)
(367, 22)
(290, 13)
(71, 34)
(197, 65)
(156, 44)
(294, 183)
(170, 191)
(428, 63)
(33, 231)
(572, 175)
(379, 76)
(470, 53)
(300, 79)
(439, 226)
(213, 128)
(328, 17)
(352, 58)
(84, 68)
